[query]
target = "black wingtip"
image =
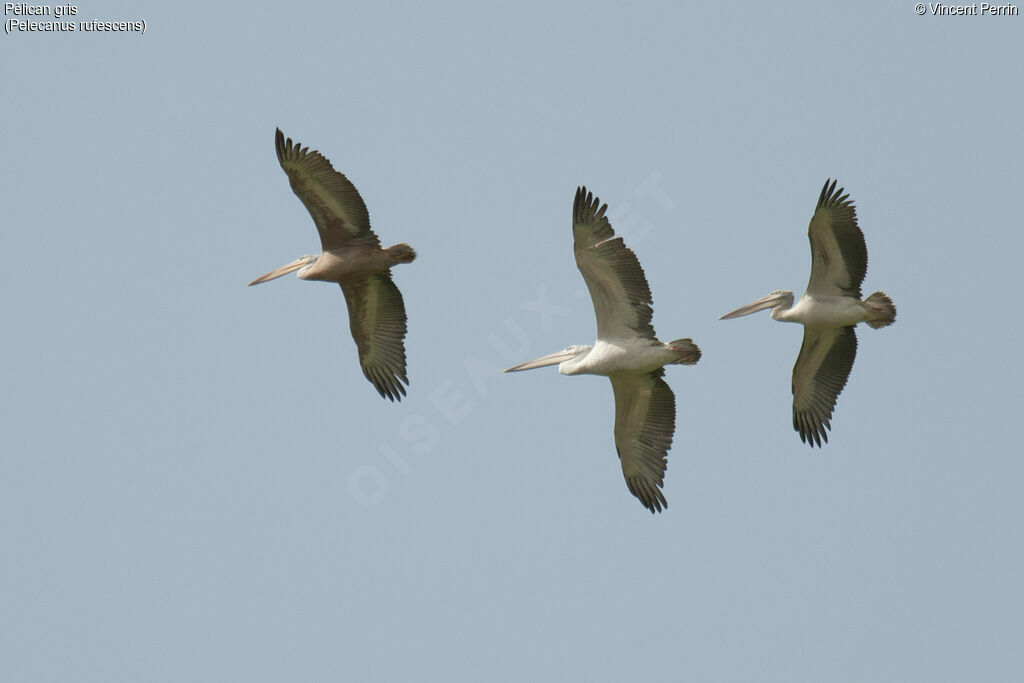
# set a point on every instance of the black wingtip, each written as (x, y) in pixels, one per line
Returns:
(281, 144)
(390, 388)
(586, 207)
(830, 196)
(649, 494)
(826, 191)
(581, 199)
(812, 437)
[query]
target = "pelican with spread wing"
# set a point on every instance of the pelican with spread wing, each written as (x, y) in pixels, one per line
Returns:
(352, 257)
(829, 310)
(626, 351)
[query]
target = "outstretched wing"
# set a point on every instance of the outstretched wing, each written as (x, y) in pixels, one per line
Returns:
(376, 315)
(839, 257)
(645, 420)
(821, 370)
(332, 200)
(618, 287)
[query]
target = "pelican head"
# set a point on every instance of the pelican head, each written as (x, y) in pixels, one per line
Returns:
(297, 264)
(778, 301)
(569, 353)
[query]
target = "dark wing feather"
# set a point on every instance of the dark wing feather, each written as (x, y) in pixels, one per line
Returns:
(645, 421)
(617, 285)
(821, 370)
(839, 257)
(377, 319)
(332, 200)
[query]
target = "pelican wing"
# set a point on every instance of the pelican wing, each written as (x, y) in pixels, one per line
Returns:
(332, 200)
(376, 315)
(839, 257)
(645, 420)
(821, 370)
(618, 287)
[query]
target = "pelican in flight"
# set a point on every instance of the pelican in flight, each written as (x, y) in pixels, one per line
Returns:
(829, 311)
(626, 351)
(352, 257)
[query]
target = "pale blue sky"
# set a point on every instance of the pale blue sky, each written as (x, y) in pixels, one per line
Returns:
(197, 484)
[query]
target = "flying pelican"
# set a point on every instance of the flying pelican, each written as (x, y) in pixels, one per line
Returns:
(352, 257)
(829, 310)
(626, 351)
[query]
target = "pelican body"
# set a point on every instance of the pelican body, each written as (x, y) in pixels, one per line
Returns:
(353, 258)
(626, 351)
(608, 358)
(829, 310)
